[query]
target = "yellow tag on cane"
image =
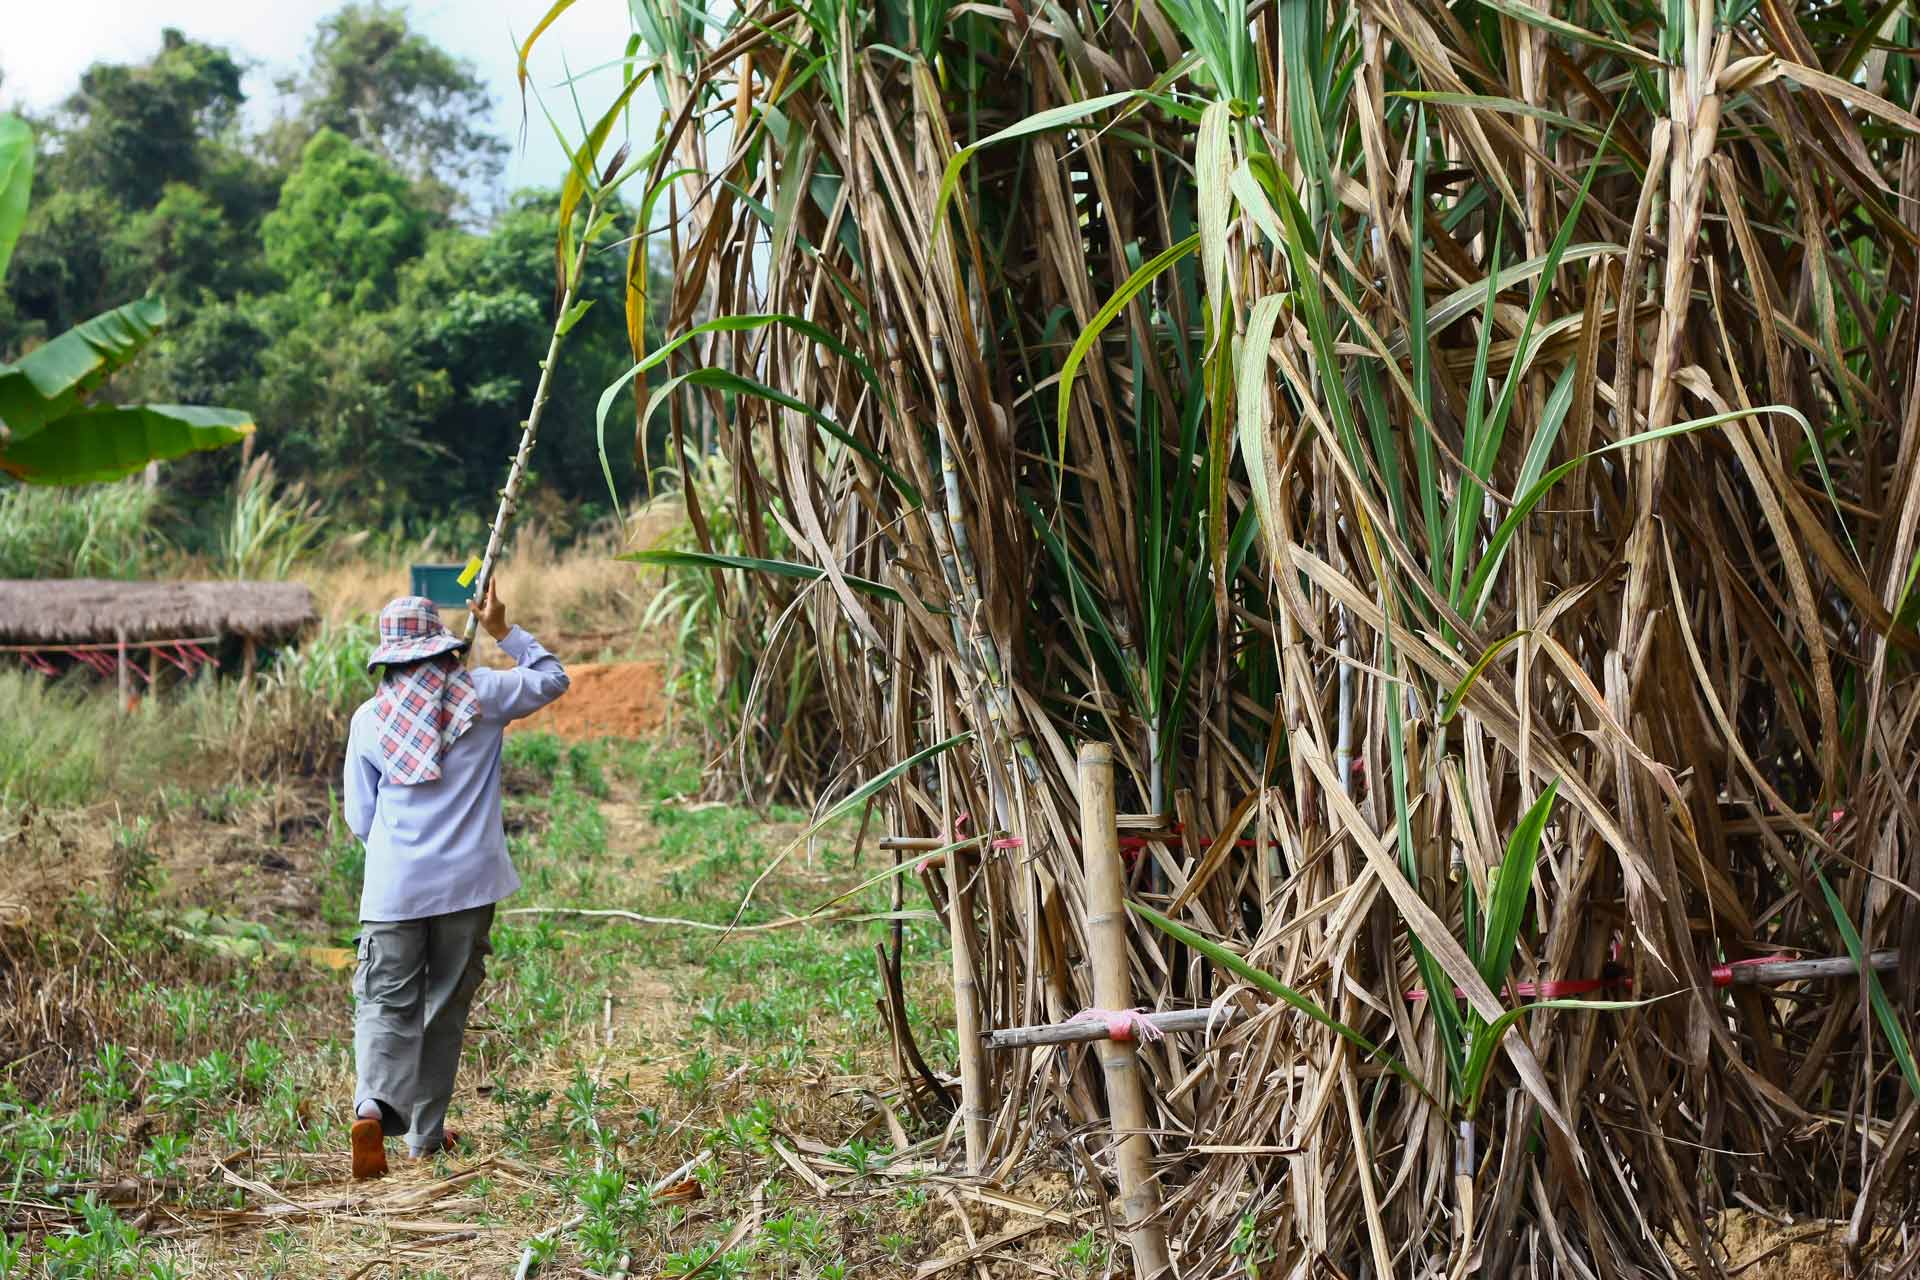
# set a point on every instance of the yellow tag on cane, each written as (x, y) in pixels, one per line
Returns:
(472, 571)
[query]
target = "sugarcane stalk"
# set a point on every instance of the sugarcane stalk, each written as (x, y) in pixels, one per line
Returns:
(530, 429)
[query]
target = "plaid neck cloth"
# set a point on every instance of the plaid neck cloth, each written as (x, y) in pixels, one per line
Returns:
(422, 709)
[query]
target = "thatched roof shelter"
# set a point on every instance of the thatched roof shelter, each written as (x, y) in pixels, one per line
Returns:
(94, 611)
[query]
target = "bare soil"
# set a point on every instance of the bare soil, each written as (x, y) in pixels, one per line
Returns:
(605, 700)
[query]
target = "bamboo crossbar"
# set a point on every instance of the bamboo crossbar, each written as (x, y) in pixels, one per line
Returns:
(108, 646)
(1772, 971)
(1741, 973)
(1180, 1021)
(1171, 1021)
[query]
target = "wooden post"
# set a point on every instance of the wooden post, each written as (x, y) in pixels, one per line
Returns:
(120, 668)
(1113, 989)
(246, 662)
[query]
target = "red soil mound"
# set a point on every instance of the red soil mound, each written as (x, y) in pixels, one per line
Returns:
(606, 699)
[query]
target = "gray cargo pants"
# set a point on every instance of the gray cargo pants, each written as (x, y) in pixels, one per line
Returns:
(411, 994)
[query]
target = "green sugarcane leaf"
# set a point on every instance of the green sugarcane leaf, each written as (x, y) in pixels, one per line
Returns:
(1451, 707)
(755, 564)
(1253, 198)
(1481, 583)
(1088, 610)
(1040, 122)
(903, 867)
(1274, 987)
(1514, 885)
(1212, 163)
(737, 324)
(1251, 407)
(1101, 319)
(1467, 505)
(1487, 1038)
(573, 315)
(854, 799)
(1425, 459)
(1492, 431)
(1504, 106)
(1876, 993)
(727, 380)
(582, 169)
(1526, 13)
(741, 324)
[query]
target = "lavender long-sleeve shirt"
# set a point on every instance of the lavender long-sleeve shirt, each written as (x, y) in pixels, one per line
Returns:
(438, 846)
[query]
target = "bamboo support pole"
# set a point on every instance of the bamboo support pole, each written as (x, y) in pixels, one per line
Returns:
(120, 668)
(1113, 989)
(1175, 1022)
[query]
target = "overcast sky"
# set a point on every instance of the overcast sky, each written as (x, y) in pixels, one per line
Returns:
(48, 43)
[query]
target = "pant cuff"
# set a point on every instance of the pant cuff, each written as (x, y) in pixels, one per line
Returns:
(392, 1122)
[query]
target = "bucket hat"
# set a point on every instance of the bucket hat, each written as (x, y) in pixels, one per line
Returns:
(410, 629)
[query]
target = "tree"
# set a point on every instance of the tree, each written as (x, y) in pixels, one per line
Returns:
(64, 260)
(137, 128)
(346, 222)
(143, 161)
(376, 81)
(182, 247)
(350, 396)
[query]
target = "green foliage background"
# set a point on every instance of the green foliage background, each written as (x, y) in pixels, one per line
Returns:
(349, 273)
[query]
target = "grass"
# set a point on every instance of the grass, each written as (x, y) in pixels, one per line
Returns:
(103, 531)
(62, 743)
(185, 1048)
(296, 717)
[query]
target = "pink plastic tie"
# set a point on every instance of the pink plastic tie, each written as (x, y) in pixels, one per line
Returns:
(1130, 1025)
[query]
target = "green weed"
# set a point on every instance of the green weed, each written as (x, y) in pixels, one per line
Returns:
(101, 531)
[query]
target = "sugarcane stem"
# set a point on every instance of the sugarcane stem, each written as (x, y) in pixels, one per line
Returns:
(531, 428)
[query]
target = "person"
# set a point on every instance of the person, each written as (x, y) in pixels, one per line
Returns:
(422, 792)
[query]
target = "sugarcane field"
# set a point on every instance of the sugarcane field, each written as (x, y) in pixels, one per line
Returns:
(799, 640)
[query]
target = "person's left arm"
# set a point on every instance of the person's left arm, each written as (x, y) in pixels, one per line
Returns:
(537, 677)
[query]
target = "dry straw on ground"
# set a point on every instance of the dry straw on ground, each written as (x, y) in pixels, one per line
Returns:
(1373, 420)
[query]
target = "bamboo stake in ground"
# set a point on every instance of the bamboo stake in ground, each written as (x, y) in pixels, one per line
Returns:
(1113, 989)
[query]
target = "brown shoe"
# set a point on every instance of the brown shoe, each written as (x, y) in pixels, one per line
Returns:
(369, 1149)
(449, 1142)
